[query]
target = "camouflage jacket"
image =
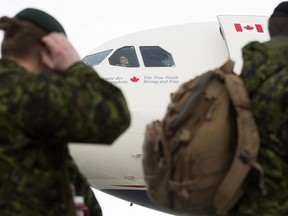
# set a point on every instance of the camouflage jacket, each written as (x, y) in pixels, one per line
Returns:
(39, 115)
(265, 74)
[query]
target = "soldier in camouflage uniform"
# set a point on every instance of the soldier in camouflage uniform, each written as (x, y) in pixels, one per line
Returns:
(265, 74)
(48, 98)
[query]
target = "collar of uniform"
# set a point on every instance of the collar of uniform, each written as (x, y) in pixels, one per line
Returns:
(9, 64)
(280, 37)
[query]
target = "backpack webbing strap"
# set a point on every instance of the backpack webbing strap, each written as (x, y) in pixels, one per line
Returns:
(248, 143)
(188, 107)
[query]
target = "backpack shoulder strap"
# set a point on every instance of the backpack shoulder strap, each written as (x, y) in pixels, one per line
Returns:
(248, 142)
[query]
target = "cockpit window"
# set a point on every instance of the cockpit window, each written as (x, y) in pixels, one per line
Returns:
(124, 57)
(96, 58)
(155, 56)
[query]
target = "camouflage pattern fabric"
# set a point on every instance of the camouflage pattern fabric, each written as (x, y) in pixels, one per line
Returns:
(265, 74)
(39, 115)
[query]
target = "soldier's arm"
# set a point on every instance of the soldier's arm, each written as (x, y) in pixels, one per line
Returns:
(100, 108)
(75, 105)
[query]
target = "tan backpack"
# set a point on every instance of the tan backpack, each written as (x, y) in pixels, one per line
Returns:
(196, 159)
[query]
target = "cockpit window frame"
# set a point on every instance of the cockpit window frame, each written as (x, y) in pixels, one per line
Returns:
(129, 52)
(96, 58)
(156, 56)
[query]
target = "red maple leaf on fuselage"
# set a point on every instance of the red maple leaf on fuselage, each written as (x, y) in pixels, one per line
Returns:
(134, 79)
(248, 27)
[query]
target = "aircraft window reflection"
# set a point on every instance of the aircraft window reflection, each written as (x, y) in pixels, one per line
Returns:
(155, 56)
(96, 58)
(124, 57)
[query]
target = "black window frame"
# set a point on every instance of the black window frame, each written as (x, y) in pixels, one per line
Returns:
(127, 51)
(153, 56)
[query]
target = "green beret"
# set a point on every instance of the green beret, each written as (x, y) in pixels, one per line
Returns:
(41, 19)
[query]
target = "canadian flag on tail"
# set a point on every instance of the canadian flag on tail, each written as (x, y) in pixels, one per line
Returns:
(253, 28)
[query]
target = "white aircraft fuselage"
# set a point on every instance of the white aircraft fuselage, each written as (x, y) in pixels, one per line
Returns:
(159, 61)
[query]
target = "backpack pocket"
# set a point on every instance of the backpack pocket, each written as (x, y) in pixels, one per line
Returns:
(156, 163)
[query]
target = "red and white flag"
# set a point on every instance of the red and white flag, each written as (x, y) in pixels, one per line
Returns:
(253, 28)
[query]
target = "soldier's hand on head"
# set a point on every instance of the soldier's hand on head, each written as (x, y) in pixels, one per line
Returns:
(58, 54)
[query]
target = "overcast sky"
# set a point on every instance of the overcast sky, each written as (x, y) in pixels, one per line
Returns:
(90, 23)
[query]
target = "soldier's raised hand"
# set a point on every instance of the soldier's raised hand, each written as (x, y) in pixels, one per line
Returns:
(59, 53)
